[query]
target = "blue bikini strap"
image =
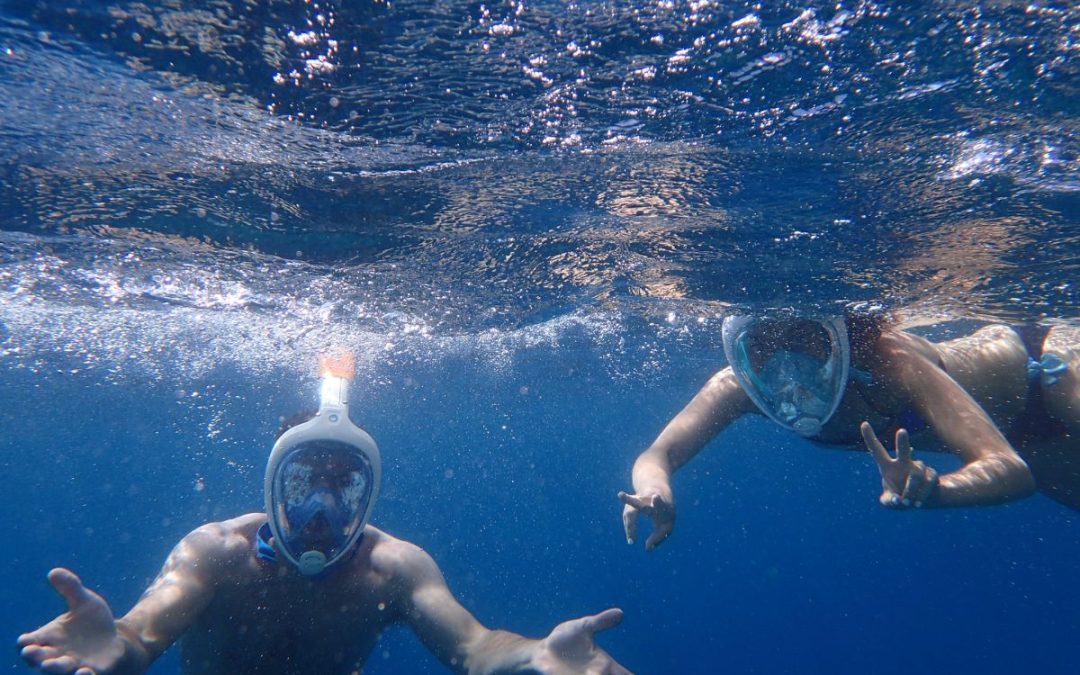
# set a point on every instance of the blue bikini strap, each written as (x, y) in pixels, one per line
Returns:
(1049, 368)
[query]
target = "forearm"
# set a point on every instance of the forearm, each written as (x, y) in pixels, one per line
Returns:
(181, 591)
(990, 480)
(499, 651)
(719, 403)
(136, 658)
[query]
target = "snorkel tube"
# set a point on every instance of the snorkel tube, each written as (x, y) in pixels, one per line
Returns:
(330, 424)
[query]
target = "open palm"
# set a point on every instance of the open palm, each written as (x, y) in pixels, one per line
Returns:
(83, 640)
(570, 648)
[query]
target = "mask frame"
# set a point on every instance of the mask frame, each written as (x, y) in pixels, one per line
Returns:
(735, 330)
(331, 424)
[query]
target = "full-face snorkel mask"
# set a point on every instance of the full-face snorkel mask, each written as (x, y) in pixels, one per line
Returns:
(322, 480)
(794, 370)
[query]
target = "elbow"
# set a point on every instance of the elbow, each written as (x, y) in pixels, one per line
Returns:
(991, 480)
(1013, 477)
(1023, 481)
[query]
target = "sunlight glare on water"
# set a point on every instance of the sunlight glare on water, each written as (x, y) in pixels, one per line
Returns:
(477, 167)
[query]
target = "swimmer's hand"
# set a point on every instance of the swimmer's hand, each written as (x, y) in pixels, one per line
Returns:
(83, 640)
(905, 481)
(654, 505)
(570, 647)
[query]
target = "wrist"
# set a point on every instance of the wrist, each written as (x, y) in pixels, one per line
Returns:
(134, 658)
(502, 652)
(651, 477)
(930, 497)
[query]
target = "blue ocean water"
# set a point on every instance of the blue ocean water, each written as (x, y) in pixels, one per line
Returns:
(528, 220)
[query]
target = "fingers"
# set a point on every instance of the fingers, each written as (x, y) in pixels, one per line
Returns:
(919, 484)
(48, 635)
(877, 450)
(891, 500)
(918, 487)
(59, 665)
(629, 521)
(653, 506)
(642, 503)
(69, 586)
(912, 487)
(34, 654)
(660, 532)
(903, 446)
(609, 618)
(633, 505)
(923, 495)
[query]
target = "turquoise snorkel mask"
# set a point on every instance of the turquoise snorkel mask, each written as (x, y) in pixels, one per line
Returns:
(322, 481)
(794, 370)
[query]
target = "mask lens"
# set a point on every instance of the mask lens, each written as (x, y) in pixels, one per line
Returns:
(767, 338)
(321, 493)
(794, 370)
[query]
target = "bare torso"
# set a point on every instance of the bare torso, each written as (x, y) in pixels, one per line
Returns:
(268, 618)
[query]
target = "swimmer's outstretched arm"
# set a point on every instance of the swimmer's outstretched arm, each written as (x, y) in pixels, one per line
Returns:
(719, 403)
(87, 640)
(464, 645)
(992, 472)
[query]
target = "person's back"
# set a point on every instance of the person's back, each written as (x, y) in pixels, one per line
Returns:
(1047, 433)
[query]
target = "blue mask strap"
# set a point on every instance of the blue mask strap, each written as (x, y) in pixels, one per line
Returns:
(863, 376)
(263, 549)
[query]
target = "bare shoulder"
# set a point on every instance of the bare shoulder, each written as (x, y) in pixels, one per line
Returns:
(222, 543)
(899, 346)
(400, 560)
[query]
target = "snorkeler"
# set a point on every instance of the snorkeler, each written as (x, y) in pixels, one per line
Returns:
(839, 381)
(305, 588)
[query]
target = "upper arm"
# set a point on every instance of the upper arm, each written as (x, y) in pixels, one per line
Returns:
(182, 590)
(955, 416)
(720, 402)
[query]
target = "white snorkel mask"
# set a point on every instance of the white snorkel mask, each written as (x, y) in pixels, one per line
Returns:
(322, 481)
(794, 370)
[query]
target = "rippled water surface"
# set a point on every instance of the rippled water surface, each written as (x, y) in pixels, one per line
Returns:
(543, 158)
